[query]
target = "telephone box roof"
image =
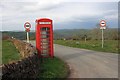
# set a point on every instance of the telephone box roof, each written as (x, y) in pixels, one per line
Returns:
(43, 20)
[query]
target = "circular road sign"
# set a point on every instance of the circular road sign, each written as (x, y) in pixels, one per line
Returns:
(27, 25)
(102, 23)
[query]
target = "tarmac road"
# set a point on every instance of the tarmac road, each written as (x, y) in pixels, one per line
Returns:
(87, 63)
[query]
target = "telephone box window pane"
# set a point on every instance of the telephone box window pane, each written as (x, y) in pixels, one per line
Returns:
(44, 32)
(45, 40)
(45, 29)
(44, 51)
(44, 43)
(45, 46)
(44, 36)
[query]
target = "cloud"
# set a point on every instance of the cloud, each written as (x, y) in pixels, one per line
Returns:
(15, 14)
(112, 17)
(57, 1)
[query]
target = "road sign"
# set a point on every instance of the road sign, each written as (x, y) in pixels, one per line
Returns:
(27, 26)
(102, 27)
(102, 24)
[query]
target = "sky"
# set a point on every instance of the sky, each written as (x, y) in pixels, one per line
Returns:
(72, 14)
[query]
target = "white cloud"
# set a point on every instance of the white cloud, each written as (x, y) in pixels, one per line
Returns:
(111, 17)
(57, 1)
(17, 13)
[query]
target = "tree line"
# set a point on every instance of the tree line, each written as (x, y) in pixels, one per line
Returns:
(89, 34)
(74, 34)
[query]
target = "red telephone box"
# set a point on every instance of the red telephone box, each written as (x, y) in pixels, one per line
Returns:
(44, 37)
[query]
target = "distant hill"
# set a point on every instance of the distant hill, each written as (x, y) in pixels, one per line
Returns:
(19, 35)
(66, 33)
(110, 33)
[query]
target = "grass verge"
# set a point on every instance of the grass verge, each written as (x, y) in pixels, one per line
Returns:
(109, 45)
(54, 68)
(9, 52)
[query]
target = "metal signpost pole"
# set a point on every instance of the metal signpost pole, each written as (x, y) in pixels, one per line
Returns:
(102, 39)
(85, 39)
(27, 26)
(102, 26)
(28, 37)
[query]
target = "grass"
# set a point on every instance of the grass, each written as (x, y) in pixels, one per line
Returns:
(9, 52)
(53, 68)
(109, 45)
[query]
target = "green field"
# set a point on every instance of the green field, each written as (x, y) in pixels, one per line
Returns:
(109, 45)
(9, 52)
(54, 68)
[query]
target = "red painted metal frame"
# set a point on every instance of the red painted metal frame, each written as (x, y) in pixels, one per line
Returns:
(38, 36)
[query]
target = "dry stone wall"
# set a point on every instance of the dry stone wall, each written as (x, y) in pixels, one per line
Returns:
(24, 48)
(27, 67)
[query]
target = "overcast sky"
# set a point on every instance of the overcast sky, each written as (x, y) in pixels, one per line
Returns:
(72, 14)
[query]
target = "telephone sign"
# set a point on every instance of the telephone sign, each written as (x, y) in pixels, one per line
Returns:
(44, 37)
(44, 23)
